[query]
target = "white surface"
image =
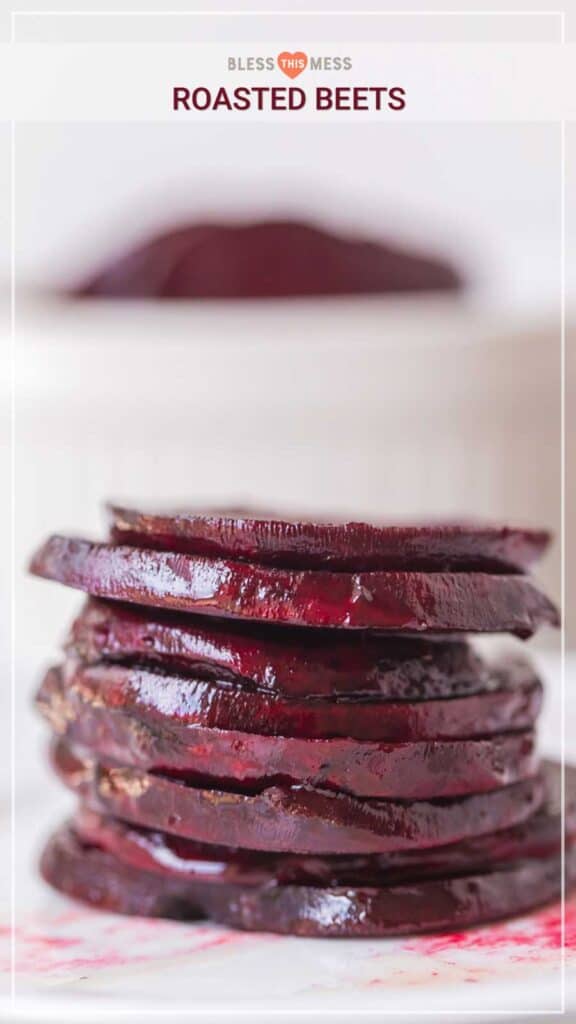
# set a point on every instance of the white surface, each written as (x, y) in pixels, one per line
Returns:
(76, 962)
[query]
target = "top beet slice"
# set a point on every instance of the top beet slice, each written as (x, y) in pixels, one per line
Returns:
(340, 546)
(398, 601)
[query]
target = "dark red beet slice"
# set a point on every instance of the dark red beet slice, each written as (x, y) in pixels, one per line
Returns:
(89, 874)
(94, 876)
(167, 855)
(397, 601)
(176, 701)
(296, 819)
(288, 660)
(171, 701)
(338, 546)
(415, 906)
(264, 260)
(252, 762)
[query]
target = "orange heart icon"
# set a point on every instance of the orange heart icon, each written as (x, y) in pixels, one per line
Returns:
(292, 64)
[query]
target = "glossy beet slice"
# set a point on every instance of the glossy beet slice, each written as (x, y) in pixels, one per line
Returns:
(414, 906)
(289, 819)
(266, 259)
(90, 874)
(347, 546)
(398, 601)
(167, 855)
(175, 700)
(288, 660)
(251, 762)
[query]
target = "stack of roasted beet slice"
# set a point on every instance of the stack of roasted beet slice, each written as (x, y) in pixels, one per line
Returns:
(280, 725)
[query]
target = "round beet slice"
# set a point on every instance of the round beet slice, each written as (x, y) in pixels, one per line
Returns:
(250, 761)
(175, 700)
(288, 660)
(397, 601)
(294, 819)
(88, 873)
(149, 850)
(338, 546)
(85, 872)
(414, 906)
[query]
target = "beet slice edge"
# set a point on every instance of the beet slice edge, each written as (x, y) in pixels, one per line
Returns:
(538, 837)
(338, 546)
(397, 601)
(297, 819)
(94, 876)
(288, 660)
(252, 762)
(180, 703)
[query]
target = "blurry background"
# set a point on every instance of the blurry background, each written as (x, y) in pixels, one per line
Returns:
(442, 404)
(412, 406)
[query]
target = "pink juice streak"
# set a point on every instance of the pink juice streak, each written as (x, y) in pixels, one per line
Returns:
(101, 961)
(541, 934)
(43, 952)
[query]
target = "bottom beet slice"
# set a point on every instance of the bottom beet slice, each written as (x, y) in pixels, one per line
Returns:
(413, 907)
(298, 819)
(94, 876)
(89, 874)
(172, 857)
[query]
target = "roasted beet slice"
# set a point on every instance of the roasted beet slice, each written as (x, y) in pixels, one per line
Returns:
(176, 701)
(338, 546)
(88, 873)
(397, 601)
(268, 259)
(250, 761)
(294, 819)
(167, 855)
(414, 906)
(287, 660)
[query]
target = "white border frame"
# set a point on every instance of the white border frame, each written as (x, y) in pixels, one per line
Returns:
(60, 1011)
